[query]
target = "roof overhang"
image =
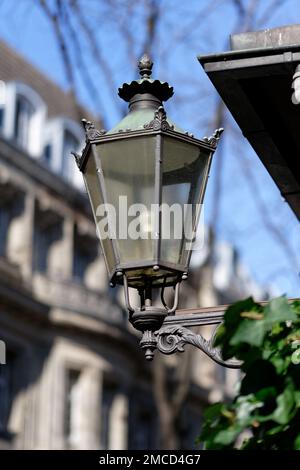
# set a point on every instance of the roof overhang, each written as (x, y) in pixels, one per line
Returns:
(255, 84)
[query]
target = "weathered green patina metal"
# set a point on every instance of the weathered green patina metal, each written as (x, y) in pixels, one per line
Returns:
(144, 97)
(136, 119)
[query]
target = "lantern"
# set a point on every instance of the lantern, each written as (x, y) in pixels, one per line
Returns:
(146, 180)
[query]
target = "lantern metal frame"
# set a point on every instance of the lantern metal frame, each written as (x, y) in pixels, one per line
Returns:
(148, 318)
(158, 127)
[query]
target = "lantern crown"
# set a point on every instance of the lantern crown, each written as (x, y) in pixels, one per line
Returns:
(160, 90)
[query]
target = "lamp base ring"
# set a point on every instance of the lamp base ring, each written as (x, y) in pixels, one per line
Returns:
(149, 318)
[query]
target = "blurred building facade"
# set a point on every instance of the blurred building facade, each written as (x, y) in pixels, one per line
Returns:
(74, 375)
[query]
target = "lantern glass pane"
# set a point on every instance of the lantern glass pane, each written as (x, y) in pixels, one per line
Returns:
(92, 184)
(128, 168)
(185, 168)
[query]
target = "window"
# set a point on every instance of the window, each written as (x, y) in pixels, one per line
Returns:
(72, 407)
(143, 438)
(6, 391)
(85, 252)
(61, 136)
(188, 427)
(47, 154)
(45, 234)
(81, 261)
(22, 116)
(11, 206)
(23, 120)
(142, 422)
(2, 104)
(4, 221)
(109, 391)
(70, 144)
(1, 117)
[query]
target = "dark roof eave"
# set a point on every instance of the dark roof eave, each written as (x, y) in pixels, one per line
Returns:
(255, 84)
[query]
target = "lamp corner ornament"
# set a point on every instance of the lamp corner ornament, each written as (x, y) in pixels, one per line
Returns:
(90, 132)
(213, 140)
(160, 121)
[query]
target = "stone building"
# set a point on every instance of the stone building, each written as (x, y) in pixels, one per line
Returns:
(74, 375)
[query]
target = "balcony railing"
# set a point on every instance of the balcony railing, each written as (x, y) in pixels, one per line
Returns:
(77, 298)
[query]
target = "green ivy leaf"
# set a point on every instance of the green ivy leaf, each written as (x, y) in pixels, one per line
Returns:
(276, 429)
(213, 411)
(267, 340)
(265, 393)
(227, 436)
(296, 306)
(245, 407)
(297, 399)
(297, 443)
(249, 331)
(285, 405)
(277, 311)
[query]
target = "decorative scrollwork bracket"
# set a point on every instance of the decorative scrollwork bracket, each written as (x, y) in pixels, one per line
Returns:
(172, 338)
(174, 334)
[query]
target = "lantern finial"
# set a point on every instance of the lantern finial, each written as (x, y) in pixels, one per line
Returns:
(162, 91)
(145, 65)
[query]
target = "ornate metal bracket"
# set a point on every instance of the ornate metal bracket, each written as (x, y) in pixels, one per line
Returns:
(90, 132)
(174, 334)
(172, 338)
(160, 121)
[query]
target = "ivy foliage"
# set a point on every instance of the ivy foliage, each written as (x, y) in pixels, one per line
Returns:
(266, 412)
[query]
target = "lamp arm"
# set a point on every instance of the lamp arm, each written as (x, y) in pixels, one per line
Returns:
(175, 333)
(172, 338)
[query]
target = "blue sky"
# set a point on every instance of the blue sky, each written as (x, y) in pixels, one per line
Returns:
(247, 188)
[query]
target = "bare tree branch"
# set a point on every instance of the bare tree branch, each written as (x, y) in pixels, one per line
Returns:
(269, 11)
(240, 8)
(95, 49)
(151, 25)
(125, 27)
(265, 215)
(192, 27)
(83, 68)
(54, 19)
(249, 18)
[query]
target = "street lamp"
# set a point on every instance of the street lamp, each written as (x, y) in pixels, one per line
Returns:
(146, 180)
